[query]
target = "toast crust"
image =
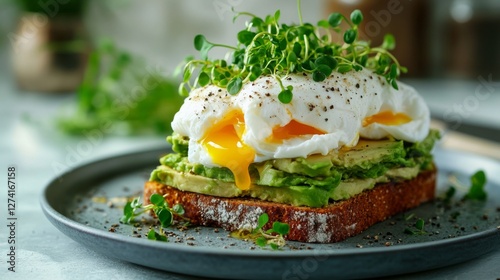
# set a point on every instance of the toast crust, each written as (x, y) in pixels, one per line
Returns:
(333, 223)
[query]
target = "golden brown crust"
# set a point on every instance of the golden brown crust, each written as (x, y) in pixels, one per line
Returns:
(333, 223)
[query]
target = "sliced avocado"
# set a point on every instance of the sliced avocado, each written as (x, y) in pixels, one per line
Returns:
(310, 181)
(368, 159)
(294, 195)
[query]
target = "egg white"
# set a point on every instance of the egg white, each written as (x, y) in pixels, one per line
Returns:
(337, 106)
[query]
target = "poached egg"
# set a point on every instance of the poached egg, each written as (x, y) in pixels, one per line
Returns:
(234, 131)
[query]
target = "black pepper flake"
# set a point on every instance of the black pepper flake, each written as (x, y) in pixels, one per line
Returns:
(304, 74)
(325, 109)
(357, 85)
(328, 97)
(220, 90)
(311, 106)
(326, 119)
(268, 94)
(331, 107)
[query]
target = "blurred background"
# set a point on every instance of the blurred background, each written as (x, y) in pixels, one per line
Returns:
(74, 68)
(82, 80)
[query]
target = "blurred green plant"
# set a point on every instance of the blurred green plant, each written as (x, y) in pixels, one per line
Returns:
(121, 95)
(54, 8)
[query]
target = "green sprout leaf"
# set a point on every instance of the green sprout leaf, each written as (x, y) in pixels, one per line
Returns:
(285, 96)
(165, 216)
(153, 235)
(344, 68)
(389, 42)
(274, 237)
(160, 207)
(326, 61)
(234, 85)
(281, 228)
(203, 79)
(178, 209)
(476, 191)
(350, 36)
(318, 76)
(335, 19)
(417, 229)
(323, 23)
(261, 241)
(245, 37)
(157, 199)
(201, 44)
(262, 221)
(420, 224)
(356, 17)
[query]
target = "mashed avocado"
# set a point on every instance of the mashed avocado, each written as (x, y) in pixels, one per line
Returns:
(311, 181)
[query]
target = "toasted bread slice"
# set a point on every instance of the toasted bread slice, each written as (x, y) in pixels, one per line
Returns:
(334, 223)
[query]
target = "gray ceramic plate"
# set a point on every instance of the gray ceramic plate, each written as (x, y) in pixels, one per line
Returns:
(85, 204)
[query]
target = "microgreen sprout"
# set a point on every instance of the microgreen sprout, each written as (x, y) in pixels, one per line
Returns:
(268, 47)
(476, 189)
(164, 213)
(273, 237)
(417, 229)
(153, 235)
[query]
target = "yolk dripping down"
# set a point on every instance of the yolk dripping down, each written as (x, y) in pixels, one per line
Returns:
(387, 118)
(224, 145)
(291, 130)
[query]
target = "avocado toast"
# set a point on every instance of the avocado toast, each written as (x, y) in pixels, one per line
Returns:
(323, 198)
(315, 133)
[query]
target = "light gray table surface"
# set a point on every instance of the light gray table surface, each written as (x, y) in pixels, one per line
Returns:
(29, 141)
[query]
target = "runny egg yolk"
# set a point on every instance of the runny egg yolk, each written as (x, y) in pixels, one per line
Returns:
(387, 118)
(224, 145)
(291, 130)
